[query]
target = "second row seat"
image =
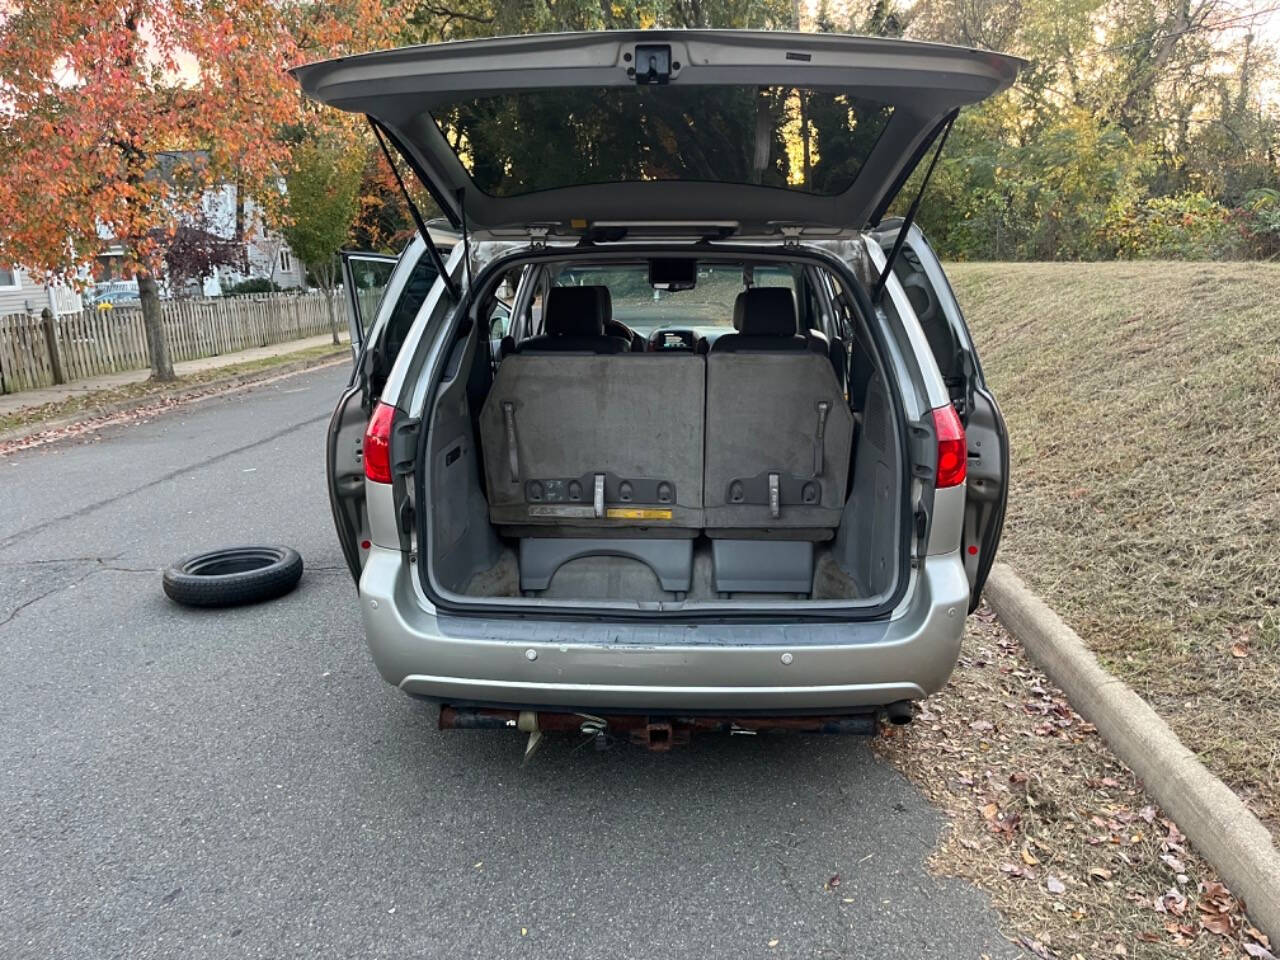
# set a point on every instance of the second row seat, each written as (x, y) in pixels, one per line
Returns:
(752, 440)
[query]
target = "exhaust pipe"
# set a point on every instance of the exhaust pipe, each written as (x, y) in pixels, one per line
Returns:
(900, 712)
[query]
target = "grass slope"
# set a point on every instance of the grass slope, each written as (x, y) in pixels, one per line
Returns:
(1143, 404)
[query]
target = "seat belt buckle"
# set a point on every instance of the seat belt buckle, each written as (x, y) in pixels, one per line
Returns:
(775, 496)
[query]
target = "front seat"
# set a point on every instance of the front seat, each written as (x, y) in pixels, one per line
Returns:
(616, 328)
(765, 318)
(574, 319)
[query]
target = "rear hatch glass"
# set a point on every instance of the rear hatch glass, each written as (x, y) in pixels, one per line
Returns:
(785, 137)
(749, 131)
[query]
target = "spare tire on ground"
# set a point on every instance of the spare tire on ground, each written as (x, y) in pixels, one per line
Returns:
(232, 576)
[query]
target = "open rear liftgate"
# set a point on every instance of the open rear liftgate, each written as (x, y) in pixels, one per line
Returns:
(656, 733)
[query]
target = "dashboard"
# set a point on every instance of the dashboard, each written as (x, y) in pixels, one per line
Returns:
(667, 339)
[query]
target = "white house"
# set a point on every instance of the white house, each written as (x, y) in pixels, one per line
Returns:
(266, 254)
(19, 293)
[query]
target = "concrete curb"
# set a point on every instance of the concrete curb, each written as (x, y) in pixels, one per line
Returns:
(1205, 809)
(191, 392)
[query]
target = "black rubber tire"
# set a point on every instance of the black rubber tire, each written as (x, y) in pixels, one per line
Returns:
(233, 576)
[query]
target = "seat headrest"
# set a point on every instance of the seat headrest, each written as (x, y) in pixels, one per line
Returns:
(575, 312)
(606, 301)
(765, 312)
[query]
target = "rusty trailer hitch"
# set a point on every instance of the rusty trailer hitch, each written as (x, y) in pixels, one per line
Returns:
(657, 733)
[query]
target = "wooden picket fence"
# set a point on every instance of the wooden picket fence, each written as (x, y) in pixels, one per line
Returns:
(93, 342)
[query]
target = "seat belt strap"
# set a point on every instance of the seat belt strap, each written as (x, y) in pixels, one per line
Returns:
(824, 407)
(513, 450)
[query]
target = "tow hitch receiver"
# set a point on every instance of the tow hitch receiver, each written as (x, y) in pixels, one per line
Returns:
(657, 733)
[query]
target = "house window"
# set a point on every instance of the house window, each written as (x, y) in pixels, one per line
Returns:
(9, 278)
(286, 262)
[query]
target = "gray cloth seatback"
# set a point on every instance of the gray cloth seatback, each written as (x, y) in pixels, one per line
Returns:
(553, 428)
(779, 427)
(779, 432)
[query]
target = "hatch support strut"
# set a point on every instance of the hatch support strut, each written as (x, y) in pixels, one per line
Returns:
(878, 293)
(436, 260)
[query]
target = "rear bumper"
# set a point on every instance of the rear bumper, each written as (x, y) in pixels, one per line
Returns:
(660, 666)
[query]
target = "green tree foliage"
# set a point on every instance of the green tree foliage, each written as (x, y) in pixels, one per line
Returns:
(1139, 128)
(435, 20)
(324, 198)
(1131, 118)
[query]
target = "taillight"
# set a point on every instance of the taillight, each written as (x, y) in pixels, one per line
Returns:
(953, 452)
(377, 444)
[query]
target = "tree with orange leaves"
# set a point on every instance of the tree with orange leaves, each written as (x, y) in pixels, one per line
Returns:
(116, 117)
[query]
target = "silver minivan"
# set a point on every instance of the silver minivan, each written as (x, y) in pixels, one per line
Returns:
(682, 432)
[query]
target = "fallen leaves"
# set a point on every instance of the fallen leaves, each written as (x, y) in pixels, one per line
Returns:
(1257, 945)
(1215, 923)
(1076, 857)
(1174, 901)
(1036, 947)
(1216, 907)
(1256, 934)
(1017, 870)
(1173, 863)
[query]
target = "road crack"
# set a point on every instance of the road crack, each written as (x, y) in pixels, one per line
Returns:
(48, 593)
(165, 478)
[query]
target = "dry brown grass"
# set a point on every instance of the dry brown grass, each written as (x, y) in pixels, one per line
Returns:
(1075, 856)
(1143, 403)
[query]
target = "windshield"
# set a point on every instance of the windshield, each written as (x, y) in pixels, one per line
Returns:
(707, 309)
(811, 141)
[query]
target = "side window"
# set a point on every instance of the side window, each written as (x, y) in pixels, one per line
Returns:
(499, 320)
(842, 323)
(406, 309)
(369, 277)
(533, 315)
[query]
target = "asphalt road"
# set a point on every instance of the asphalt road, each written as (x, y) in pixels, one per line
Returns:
(184, 784)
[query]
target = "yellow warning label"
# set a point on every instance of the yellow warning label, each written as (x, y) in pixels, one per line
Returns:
(638, 513)
(578, 223)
